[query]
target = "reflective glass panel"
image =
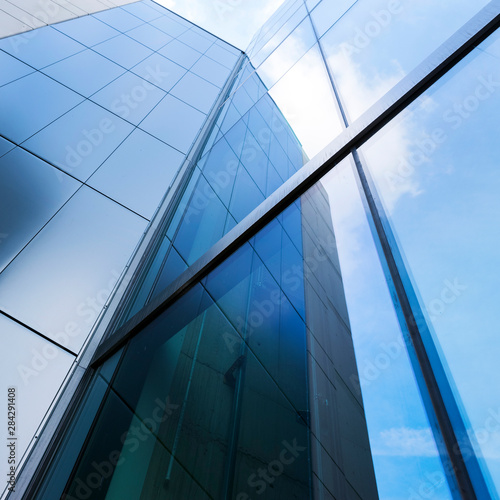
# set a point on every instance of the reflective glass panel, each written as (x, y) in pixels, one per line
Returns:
(174, 122)
(119, 19)
(180, 53)
(80, 140)
(150, 36)
(142, 11)
(159, 71)
(12, 68)
(138, 173)
(196, 91)
(169, 26)
(210, 70)
(87, 30)
(195, 40)
(129, 97)
(87, 243)
(436, 172)
(40, 47)
(123, 51)
(222, 56)
(31, 103)
(85, 72)
(36, 371)
(376, 43)
(31, 193)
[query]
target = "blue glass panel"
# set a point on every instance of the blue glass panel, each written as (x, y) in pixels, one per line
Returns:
(88, 242)
(203, 223)
(138, 173)
(80, 140)
(123, 50)
(196, 91)
(169, 26)
(119, 19)
(40, 47)
(159, 71)
(405, 456)
(31, 192)
(150, 36)
(255, 161)
(130, 97)
(274, 181)
(31, 103)
(210, 70)
(87, 30)
(242, 101)
(142, 11)
(220, 170)
(246, 195)
(436, 172)
(195, 40)
(173, 267)
(174, 122)
(222, 56)
(5, 146)
(85, 72)
(180, 53)
(12, 68)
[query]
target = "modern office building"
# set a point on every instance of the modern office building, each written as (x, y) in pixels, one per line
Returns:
(268, 274)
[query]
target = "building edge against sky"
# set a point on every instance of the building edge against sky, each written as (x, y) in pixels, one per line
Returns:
(377, 293)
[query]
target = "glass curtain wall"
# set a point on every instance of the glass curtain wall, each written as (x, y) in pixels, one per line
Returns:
(292, 370)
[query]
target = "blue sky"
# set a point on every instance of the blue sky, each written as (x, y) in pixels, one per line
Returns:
(236, 21)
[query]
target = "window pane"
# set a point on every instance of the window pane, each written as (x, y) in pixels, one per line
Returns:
(436, 171)
(123, 51)
(87, 30)
(150, 36)
(196, 92)
(12, 68)
(376, 43)
(80, 140)
(31, 103)
(85, 72)
(36, 371)
(181, 127)
(88, 242)
(138, 173)
(118, 19)
(31, 192)
(41, 47)
(129, 97)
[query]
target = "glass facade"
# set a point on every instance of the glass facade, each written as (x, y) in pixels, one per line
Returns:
(86, 159)
(313, 316)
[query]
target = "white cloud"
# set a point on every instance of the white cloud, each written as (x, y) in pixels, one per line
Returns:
(406, 442)
(235, 21)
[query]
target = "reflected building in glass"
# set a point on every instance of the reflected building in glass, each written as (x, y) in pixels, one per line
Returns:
(263, 274)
